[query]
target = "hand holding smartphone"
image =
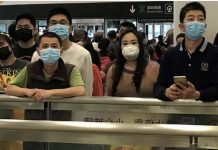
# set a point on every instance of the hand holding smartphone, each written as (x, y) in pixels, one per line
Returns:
(180, 79)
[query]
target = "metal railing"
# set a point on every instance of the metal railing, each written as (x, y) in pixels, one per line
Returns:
(106, 133)
(137, 112)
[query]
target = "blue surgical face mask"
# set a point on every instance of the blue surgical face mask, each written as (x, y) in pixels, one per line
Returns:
(194, 30)
(61, 30)
(49, 56)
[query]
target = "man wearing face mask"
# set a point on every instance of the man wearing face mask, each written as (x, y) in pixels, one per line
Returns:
(60, 22)
(10, 66)
(24, 32)
(194, 58)
(46, 78)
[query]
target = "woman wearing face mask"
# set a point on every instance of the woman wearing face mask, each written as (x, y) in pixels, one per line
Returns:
(132, 75)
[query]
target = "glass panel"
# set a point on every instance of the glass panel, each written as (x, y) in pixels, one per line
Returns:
(42, 29)
(166, 27)
(90, 31)
(3, 28)
(150, 32)
(157, 30)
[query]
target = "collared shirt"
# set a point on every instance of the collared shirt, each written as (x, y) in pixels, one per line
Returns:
(200, 68)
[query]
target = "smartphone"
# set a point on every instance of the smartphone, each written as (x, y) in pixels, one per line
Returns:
(181, 79)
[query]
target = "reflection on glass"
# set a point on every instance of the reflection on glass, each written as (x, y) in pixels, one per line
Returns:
(150, 32)
(3, 28)
(157, 30)
(166, 27)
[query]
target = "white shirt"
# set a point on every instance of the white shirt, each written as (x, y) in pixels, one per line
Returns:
(95, 45)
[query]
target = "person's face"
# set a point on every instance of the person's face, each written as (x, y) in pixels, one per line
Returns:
(47, 42)
(122, 29)
(192, 15)
(129, 38)
(60, 19)
(24, 23)
(3, 43)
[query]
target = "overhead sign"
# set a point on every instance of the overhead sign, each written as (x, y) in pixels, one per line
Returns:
(132, 9)
(113, 10)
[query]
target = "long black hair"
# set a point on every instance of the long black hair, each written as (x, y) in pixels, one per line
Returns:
(94, 54)
(120, 62)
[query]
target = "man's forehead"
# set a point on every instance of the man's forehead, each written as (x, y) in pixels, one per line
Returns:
(49, 39)
(194, 13)
(58, 17)
(23, 20)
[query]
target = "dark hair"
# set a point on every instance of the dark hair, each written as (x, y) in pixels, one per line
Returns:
(103, 45)
(180, 35)
(59, 10)
(28, 16)
(11, 30)
(112, 34)
(5, 37)
(50, 35)
(120, 62)
(79, 35)
(98, 36)
(215, 42)
(94, 54)
(160, 38)
(128, 24)
(143, 34)
(152, 41)
(191, 6)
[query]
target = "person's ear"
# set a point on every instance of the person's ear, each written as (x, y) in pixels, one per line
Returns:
(205, 25)
(61, 50)
(10, 48)
(37, 50)
(35, 31)
(70, 28)
(182, 27)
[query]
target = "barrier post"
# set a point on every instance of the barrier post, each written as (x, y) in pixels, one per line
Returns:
(193, 143)
(48, 116)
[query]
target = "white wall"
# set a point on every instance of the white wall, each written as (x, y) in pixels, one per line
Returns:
(211, 17)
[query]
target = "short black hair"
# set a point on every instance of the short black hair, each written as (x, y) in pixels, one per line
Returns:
(11, 30)
(51, 35)
(180, 35)
(28, 16)
(112, 34)
(128, 24)
(160, 38)
(191, 6)
(59, 10)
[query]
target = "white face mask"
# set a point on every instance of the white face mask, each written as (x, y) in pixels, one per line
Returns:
(130, 52)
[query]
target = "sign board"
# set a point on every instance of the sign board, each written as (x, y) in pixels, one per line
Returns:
(107, 10)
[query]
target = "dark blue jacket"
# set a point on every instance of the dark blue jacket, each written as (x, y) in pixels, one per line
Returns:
(200, 68)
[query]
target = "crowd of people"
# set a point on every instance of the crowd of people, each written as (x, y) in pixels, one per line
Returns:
(123, 64)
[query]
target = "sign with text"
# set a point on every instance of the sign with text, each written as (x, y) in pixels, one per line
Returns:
(115, 10)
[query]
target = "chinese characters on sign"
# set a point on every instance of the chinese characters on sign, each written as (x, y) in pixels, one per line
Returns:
(95, 119)
(119, 120)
